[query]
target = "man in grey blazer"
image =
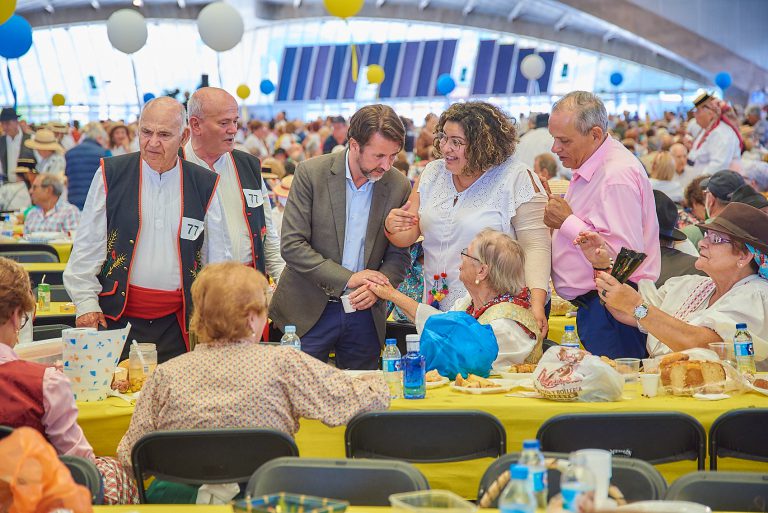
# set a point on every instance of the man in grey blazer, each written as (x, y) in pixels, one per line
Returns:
(333, 242)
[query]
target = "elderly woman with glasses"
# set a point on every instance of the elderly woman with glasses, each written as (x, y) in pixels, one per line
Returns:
(475, 183)
(491, 270)
(40, 397)
(693, 311)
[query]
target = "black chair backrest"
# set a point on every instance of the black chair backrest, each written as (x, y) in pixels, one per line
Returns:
(425, 436)
(546, 344)
(85, 473)
(361, 482)
(58, 294)
(207, 456)
(723, 491)
(5, 431)
(398, 330)
(29, 252)
(49, 331)
(638, 480)
(655, 437)
(733, 435)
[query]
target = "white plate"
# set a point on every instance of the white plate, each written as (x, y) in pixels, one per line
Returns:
(437, 384)
(505, 385)
(515, 375)
(665, 507)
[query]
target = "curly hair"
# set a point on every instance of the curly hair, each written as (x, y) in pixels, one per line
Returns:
(15, 289)
(491, 134)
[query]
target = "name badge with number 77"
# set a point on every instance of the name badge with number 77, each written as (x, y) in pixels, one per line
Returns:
(191, 228)
(253, 197)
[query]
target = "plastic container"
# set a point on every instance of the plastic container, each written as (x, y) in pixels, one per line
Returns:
(430, 501)
(138, 372)
(744, 350)
(517, 497)
(290, 503)
(46, 352)
(44, 297)
(390, 364)
(291, 339)
(577, 485)
(414, 370)
(533, 458)
(570, 338)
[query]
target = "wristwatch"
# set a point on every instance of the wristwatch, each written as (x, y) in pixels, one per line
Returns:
(641, 311)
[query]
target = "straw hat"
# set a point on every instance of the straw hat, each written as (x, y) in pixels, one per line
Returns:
(57, 127)
(284, 187)
(44, 140)
(20, 170)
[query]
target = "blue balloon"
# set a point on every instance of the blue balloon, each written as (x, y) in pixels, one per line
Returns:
(617, 78)
(148, 97)
(723, 80)
(266, 86)
(15, 37)
(445, 84)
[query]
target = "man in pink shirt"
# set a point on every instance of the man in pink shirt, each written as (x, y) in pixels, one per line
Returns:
(609, 194)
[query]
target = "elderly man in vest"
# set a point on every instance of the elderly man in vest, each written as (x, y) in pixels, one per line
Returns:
(150, 221)
(213, 116)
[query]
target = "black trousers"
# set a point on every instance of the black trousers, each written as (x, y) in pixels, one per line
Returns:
(164, 332)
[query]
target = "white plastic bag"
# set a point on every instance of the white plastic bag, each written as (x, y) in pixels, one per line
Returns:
(570, 374)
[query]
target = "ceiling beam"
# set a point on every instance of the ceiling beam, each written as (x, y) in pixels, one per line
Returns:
(90, 13)
(516, 11)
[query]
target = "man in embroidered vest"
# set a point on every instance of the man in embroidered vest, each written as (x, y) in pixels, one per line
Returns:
(333, 242)
(213, 116)
(150, 221)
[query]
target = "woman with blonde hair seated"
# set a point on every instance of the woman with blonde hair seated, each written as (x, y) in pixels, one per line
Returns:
(492, 270)
(231, 380)
(663, 176)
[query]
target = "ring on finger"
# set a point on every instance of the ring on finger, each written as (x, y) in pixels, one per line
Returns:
(604, 292)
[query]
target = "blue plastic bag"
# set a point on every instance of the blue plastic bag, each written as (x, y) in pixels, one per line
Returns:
(455, 343)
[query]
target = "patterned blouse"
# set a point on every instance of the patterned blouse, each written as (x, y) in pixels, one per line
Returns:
(243, 384)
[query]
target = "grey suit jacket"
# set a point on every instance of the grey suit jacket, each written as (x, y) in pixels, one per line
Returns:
(10, 174)
(312, 242)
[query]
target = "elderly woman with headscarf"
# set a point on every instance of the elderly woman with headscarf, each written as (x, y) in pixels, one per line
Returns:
(491, 269)
(693, 311)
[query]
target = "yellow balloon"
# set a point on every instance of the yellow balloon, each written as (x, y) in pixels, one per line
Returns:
(7, 7)
(58, 100)
(243, 91)
(343, 8)
(375, 74)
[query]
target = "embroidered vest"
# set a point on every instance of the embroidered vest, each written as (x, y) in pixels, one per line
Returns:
(520, 315)
(248, 172)
(22, 386)
(123, 204)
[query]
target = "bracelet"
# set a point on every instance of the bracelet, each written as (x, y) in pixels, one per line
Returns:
(605, 269)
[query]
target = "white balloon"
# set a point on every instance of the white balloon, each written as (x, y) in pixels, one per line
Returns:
(533, 66)
(220, 25)
(127, 30)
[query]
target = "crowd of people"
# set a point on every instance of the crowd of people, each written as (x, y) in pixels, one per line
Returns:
(198, 231)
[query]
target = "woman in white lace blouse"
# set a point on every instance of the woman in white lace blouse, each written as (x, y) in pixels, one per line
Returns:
(475, 184)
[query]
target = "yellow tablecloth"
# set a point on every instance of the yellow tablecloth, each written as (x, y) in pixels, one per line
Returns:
(557, 326)
(44, 267)
(105, 422)
(166, 508)
(57, 310)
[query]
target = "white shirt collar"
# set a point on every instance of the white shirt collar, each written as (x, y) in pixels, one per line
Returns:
(190, 155)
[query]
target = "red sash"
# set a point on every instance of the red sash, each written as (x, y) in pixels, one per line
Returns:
(145, 303)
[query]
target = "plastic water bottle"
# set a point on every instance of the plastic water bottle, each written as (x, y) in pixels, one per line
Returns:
(533, 458)
(570, 338)
(744, 350)
(517, 497)
(414, 371)
(390, 364)
(577, 484)
(291, 339)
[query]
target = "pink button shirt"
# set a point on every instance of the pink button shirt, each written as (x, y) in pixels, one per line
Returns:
(60, 412)
(610, 194)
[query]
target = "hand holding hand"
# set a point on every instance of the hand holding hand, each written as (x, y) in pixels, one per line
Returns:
(362, 298)
(361, 277)
(400, 220)
(385, 291)
(91, 320)
(556, 212)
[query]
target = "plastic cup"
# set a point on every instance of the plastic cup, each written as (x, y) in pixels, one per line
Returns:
(650, 365)
(629, 368)
(724, 351)
(599, 462)
(650, 384)
(348, 308)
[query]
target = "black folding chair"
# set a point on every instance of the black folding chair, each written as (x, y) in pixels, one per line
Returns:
(425, 436)
(638, 480)
(546, 344)
(361, 482)
(46, 332)
(655, 437)
(723, 491)
(733, 435)
(29, 253)
(398, 330)
(207, 456)
(85, 473)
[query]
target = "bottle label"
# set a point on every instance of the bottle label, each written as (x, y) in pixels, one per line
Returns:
(576, 499)
(391, 365)
(539, 481)
(516, 508)
(744, 348)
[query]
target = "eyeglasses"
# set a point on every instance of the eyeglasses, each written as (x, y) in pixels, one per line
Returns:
(453, 143)
(465, 252)
(715, 238)
(24, 320)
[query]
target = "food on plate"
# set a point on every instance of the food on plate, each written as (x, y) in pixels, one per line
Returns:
(120, 380)
(474, 381)
(560, 306)
(433, 376)
(522, 368)
(607, 360)
(686, 377)
(761, 383)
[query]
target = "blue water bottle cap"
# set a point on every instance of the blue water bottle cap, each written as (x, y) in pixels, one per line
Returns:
(531, 444)
(570, 328)
(518, 471)
(741, 326)
(391, 341)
